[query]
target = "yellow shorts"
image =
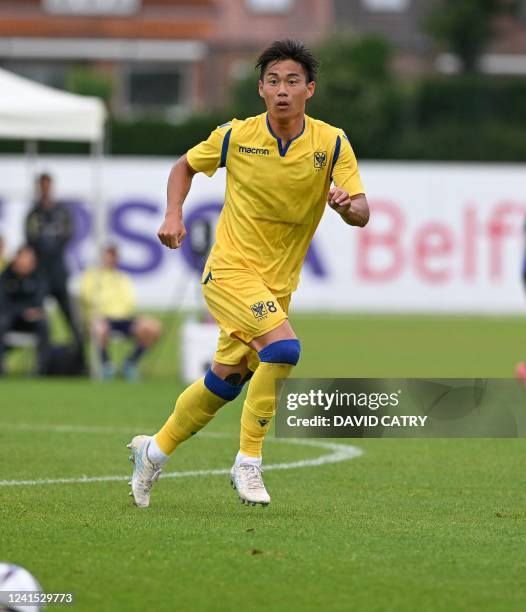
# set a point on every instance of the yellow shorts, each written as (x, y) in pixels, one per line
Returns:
(244, 309)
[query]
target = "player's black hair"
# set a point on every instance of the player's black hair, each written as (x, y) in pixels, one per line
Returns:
(111, 247)
(288, 49)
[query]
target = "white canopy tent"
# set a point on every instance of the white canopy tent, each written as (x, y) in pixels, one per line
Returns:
(31, 111)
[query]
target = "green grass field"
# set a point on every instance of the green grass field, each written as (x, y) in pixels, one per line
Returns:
(408, 525)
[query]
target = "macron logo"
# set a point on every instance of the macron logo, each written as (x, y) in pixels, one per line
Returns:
(253, 150)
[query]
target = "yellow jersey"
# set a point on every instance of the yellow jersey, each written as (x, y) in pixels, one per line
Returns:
(108, 293)
(276, 193)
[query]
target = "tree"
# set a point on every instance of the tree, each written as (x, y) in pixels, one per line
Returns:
(357, 93)
(354, 91)
(465, 27)
(88, 82)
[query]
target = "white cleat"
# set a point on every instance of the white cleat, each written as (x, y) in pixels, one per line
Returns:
(145, 473)
(247, 480)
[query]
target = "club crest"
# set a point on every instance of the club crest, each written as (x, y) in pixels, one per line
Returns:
(320, 159)
(259, 310)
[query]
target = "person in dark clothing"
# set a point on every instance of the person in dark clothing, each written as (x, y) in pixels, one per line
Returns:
(22, 292)
(49, 228)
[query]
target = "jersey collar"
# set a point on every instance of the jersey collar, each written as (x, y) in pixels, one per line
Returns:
(283, 148)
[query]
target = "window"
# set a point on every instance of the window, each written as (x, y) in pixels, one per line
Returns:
(49, 73)
(270, 6)
(392, 6)
(155, 89)
(91, 7)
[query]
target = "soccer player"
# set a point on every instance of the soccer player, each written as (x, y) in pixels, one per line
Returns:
(279, 166)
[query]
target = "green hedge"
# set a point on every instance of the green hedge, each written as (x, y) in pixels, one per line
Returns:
(461, 142)
(442, 118)
(140, 137)
(157, 137)
(474, 100)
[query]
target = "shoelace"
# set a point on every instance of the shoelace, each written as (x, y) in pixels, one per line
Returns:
(147, 484)
(253, 475)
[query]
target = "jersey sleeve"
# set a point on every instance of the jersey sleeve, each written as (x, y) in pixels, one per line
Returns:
(210, 154)
(345, 172)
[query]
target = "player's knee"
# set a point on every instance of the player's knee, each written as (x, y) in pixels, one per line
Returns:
(228, 388)
(147, 330)
(281, 351)
(156, 329)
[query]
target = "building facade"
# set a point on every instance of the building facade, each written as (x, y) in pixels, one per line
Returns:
(168, 56)
(174, 57)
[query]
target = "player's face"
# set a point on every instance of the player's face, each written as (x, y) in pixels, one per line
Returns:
(285, 89)
(45, 185)
(109, 258)
(25, 262)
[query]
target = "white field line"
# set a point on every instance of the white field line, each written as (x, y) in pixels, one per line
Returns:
(339, 452)
(90, 429)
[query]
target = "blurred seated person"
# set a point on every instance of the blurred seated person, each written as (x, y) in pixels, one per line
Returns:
(3, 259)
(22, 292)
(108, 301)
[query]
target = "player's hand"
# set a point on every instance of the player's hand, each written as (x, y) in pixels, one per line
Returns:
(339, 200)
(172, 232)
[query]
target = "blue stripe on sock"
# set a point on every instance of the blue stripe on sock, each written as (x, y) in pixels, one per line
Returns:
(220, 387)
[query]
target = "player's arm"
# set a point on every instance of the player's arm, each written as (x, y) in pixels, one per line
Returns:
(205, 157)
(347, 197)
(173, 231)
(354, 210)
